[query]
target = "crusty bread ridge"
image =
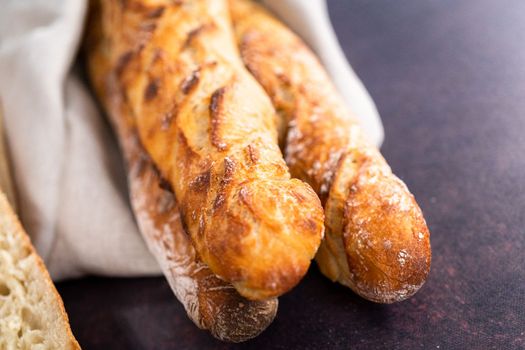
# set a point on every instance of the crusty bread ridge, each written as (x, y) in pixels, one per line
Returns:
(377, 242)
(210, 130)
(32, 315)
(210, 302)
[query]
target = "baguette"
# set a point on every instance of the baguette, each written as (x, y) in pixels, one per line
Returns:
(210, 302)
(32, 314)
(377, 242)
(210, 131)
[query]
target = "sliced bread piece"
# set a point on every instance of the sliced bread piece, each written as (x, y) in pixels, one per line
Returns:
(32, 315)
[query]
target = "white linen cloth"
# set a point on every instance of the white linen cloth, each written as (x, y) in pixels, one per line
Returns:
(68, 174)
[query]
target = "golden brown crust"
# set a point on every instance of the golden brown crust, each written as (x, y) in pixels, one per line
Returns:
(201, 117)
(210, 302)
(377, 242)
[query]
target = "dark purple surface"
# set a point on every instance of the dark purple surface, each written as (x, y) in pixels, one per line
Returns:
(449, 80)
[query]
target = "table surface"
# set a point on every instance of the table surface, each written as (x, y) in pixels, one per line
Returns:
(448, 78)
